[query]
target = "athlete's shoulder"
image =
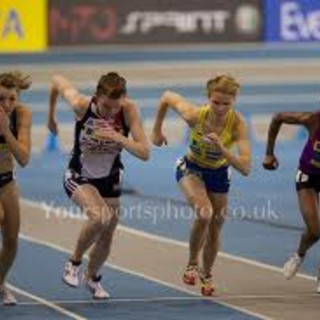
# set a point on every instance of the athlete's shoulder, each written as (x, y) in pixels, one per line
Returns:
(128, 102)
(238, 119)
(130, 107)
(201, 112)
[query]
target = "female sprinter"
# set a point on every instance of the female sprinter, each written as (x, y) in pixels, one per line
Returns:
(93, 178)
(203, 174)
(15, 128)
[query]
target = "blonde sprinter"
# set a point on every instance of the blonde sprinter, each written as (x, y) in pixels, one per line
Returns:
(15, 124)
(92, 180)
(203, 173)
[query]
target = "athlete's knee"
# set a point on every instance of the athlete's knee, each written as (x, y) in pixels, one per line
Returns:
(204, 211)
(100, 216)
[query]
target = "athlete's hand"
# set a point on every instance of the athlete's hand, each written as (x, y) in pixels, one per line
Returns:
(158, 139)
(108, 133)
(53, 126)
(4, 122)
(270, 162)
(214, 139)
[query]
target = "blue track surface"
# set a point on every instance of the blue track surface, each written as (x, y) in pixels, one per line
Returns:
(131, 295)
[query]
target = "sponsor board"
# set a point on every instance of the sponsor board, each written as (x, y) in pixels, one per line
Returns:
(154, 21)
(292, 20)
(22, 29)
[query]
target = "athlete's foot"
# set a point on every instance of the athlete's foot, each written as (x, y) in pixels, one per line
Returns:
(6, 297)
(191, 274)
(71, 274)
(95, 287)
(291, 267)
(207, 288)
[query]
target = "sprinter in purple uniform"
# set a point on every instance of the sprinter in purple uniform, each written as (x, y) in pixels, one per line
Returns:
(307, 180)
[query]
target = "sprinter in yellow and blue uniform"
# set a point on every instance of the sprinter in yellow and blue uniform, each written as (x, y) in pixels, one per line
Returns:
(203, 173)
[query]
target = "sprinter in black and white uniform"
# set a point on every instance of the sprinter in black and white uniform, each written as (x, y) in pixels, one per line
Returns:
(92, 180)
(95, 160)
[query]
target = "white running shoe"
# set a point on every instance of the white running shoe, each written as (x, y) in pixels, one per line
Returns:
(71, 274)
(291, 267)
(6, 297)
(95, 287)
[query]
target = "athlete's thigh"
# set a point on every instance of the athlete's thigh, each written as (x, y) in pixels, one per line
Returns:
(9, 200)
(89, 199)
(309, 206)
(194, 190)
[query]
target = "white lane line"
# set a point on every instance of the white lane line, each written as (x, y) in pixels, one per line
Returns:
(44, 302)
(178, 298)
(169, 241)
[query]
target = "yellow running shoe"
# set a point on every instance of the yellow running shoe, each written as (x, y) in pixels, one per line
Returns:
(190, 275)
(207, 288)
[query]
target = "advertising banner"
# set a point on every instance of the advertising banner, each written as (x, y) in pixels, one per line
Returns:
(292, 20)
(154, 21)
(23, 25)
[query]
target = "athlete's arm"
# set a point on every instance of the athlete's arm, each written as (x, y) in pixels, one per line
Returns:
(241, 161)
(187, 111)
(20, 146)
(78, 102)
(305, 119)
(138, 145)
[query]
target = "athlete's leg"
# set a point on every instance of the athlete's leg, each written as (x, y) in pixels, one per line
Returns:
(308, 203)
(10, 210)
(10, 224)
(212, 241)
(99, 215)
(100, 252)
(219, 203)
(101, 249)
(309, 206)
(195, 193)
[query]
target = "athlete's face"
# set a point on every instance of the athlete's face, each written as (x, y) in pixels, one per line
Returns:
(221, 103)
(8, 99)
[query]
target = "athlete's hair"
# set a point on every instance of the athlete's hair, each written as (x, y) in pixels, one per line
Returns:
(223, 83)
(15, 80)
(112, 85)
